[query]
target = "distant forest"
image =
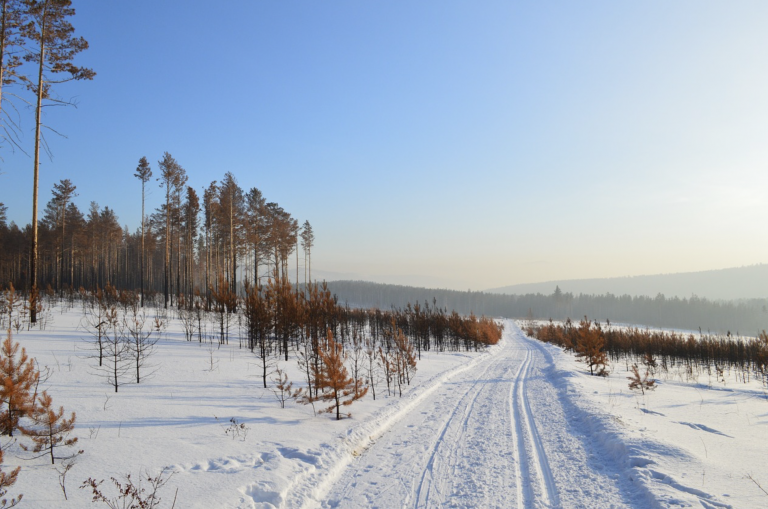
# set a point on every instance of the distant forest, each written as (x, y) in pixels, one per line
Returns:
(745, 317)
(734, 283)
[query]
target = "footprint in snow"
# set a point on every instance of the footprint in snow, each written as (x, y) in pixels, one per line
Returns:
(308, 457)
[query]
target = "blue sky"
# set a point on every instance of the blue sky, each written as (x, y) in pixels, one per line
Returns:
(454, 144)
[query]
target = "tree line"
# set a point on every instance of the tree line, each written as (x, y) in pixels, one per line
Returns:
(747, 316)
(180, 250)
(660, 351)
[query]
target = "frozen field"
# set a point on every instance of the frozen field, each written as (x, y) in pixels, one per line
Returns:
(520, 425)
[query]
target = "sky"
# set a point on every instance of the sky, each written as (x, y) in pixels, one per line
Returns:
(451, 144)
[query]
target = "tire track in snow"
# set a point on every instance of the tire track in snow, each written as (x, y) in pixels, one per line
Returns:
(522, 473)
(429, 467)
(524, 427)
(366, 435)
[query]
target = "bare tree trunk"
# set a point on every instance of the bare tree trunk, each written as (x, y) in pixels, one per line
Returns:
(63, 234)
(72, 261)
(207, 266)
(36, 179)
(141, 258)
(178, 264)
(167, 240)
(233, 253)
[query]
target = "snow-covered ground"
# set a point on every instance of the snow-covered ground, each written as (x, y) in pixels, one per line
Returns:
(520, 425)
(688, 443)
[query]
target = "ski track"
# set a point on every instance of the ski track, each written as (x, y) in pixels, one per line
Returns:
(441, 441)
(522, 470)
(486, 451)
(527, 432)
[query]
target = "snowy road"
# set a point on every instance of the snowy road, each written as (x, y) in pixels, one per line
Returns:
(491, 436)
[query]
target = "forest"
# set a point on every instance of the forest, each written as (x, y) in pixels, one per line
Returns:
(745, 317)
(745, 282)
(186, 244)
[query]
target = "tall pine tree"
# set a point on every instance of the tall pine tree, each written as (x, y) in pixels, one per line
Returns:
(171, 176)
(53, 46)
(143, 173)
(62, 194)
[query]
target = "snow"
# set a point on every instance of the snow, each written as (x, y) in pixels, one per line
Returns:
(519, 425)
(689, 443)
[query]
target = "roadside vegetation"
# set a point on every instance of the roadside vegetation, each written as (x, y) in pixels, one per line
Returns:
(661, 352)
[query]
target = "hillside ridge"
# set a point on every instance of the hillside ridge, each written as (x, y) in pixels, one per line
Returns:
(748, 282)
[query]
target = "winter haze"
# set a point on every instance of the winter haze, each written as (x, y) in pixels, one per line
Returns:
(457, 145)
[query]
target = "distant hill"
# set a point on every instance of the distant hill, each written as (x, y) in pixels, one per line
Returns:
(748, 316)
(725, 284)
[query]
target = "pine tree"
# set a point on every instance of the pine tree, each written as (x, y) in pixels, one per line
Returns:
(644, 383)
(254, 216)
(258, 323)
(12, 18)
(307, 241)
(19, 379)
(334, 381)
(373, 365)
(210, 207)
(224, 303)
(406, 359)
(53, 35)
(283, 387)
(143, 173)
(141, 344)
(49, 429)
(590, 347)
(6, 481)
(191, 211)
(388, 365)
(231, 202)
(63, 192)
(172, 176)
(116, 350)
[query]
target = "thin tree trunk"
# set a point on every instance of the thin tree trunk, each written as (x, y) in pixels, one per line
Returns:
(233, 253)
(36, 179)
(167, 239)
(72, 260)
(63, 233)
(141, 258)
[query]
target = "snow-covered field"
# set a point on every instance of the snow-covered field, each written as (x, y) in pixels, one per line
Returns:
(520, 425)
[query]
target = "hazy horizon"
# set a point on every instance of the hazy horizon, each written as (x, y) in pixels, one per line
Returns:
(595, 284)
(471, 146)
